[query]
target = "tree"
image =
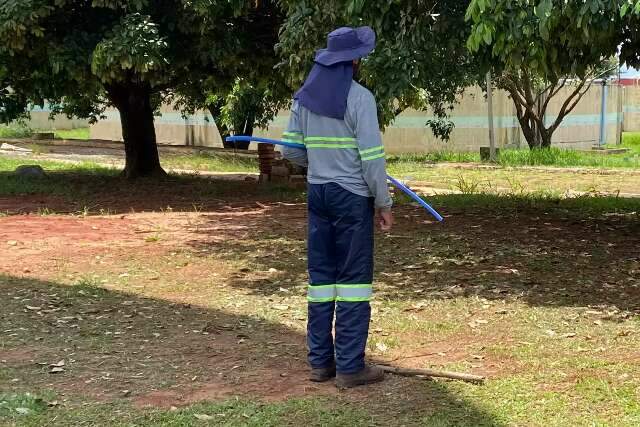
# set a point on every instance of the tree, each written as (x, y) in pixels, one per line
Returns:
(630, 47)
(248, 94)
(84, 56)
(420, 60)
(536, 49)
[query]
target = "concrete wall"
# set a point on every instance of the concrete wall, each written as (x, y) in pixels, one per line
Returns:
(40, 119)
(171, 128)
(631, 107)
(409, 132)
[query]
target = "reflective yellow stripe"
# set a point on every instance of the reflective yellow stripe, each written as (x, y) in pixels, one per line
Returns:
(372, 150)
(321, 293)
(377, 156)
(354, 292)
(328, 139)
(298, 136)
(292, 141)
(353, 146)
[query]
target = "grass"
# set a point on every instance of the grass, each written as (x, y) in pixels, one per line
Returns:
(518, 286)
(311, 412)
(492, 190)
(212, 162)
(19, 130)
(15, 130)
(553, 157)
(78, 133)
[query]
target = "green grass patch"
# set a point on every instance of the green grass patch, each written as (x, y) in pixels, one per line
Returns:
(56, 184)
(310, 412)
(15, 130)
(539, 202)
(212, 162)
(16, 406)
(91, 188)
(406, 165)
(78, 133)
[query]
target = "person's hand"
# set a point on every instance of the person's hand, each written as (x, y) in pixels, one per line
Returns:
(385, 219)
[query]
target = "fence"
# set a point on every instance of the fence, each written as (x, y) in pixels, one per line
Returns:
(410, 134)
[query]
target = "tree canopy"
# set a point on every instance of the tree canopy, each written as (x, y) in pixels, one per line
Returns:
(538, 48)
(420, 60)
(132, 54)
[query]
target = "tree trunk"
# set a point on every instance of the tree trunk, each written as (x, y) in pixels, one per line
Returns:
(136, 117)
(216, 114)
(247, 130)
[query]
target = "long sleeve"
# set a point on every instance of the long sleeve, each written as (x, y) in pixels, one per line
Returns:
(372, 151)
(295, 135)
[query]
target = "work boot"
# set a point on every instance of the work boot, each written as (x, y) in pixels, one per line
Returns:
(320, 375)
(369, 375)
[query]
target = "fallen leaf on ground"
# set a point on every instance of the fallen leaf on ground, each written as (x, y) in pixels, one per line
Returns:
(203, 417)
(381, 347)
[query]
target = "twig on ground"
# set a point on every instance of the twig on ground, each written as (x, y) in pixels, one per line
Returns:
(477, 379)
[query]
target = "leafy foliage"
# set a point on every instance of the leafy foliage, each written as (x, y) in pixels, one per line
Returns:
(134, 45)
(538, 49)
(420, 60)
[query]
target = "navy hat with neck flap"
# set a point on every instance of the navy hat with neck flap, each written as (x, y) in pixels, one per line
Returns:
(327, 87)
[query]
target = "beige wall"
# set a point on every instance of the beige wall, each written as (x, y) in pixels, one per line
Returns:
(171, 129)
(631, 107)
(41, 120)
(409, 132)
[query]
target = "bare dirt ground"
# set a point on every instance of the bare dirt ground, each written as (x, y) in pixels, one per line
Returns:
(167, 307)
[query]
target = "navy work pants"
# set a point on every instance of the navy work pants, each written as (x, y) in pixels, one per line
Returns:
(340, 254)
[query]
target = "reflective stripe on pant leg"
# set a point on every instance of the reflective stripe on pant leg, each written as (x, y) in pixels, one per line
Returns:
(353, 293)
(322, 275)
(321, 293)
(353, 220)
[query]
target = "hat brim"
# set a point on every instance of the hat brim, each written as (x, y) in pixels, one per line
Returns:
(368, 38)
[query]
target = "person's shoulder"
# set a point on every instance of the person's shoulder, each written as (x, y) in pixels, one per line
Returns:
(360, 96)
(360, 91)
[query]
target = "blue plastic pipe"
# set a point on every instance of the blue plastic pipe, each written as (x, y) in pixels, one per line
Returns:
(394, 181)
(415, 197)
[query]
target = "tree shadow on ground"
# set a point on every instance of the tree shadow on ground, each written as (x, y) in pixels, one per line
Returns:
(541, 258)
(502, 247)
(106, 192)
(111, 345)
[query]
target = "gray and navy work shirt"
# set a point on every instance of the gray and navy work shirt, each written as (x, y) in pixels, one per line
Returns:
(347, 152)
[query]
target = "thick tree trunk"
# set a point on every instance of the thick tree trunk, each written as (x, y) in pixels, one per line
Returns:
(136, 117)
(545, 138)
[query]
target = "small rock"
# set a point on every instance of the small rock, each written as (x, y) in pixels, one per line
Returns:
(30, 171)
(126, 393)
(12, 243)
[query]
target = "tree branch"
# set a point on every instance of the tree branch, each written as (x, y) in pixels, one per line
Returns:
(569, 104)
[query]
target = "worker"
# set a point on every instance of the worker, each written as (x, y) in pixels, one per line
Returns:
(334, 119)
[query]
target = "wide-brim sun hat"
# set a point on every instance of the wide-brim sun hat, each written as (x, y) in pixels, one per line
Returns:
(347, 44)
